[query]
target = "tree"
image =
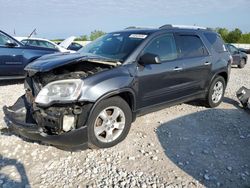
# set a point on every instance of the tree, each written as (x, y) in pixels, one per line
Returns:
(82, 38)
(96, 34)
(223, 32)
(234, 36)
(245, 38)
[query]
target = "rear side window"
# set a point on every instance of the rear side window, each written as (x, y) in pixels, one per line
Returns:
(216, 42)
(163, 46)
(190, 46)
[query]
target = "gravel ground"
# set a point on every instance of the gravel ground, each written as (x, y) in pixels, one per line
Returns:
(183, 146)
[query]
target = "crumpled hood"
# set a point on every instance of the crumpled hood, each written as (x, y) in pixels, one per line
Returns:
(51, 61)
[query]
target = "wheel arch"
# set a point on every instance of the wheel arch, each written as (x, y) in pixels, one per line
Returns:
(224, 75)
(126, 94)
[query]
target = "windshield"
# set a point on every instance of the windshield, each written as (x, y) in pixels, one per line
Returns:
(116, 46)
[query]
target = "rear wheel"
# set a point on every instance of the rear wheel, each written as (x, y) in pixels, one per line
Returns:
(109, 123)
(216, 92)
(242, 63)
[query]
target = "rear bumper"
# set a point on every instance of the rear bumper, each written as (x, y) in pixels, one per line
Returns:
(18, 120)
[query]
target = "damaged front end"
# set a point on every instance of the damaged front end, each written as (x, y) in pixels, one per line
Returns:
(42, 125)
(42, 115)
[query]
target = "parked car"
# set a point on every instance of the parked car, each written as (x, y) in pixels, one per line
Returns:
(239, 57)
(45, 43)
(92, 97)
(14, 56)
(74, 46)
(247, 51)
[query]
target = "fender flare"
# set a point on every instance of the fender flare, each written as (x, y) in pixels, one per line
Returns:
(115, 93)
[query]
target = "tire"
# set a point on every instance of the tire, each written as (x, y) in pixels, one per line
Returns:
(218, 85)
(242, 63)
(106, 128)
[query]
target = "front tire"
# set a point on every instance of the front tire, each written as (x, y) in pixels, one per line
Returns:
(109, 123)
(216, 92)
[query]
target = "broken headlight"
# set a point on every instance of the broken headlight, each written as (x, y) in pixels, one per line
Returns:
(62, 90)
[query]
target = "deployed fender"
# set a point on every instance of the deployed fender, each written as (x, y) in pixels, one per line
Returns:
(95, 89)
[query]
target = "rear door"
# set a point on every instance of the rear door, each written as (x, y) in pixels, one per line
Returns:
(197, 63)
(11, 58)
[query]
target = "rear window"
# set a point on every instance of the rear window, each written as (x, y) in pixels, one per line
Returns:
(191, 46)
(216, 42)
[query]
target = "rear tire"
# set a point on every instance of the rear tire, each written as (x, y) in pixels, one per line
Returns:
(216, 92)
(109, 123)
(242, 63)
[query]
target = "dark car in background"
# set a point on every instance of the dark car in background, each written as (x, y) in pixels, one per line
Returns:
(14, 56)
(92, 97)
(247, 51)
(74, 46)
(239, 57)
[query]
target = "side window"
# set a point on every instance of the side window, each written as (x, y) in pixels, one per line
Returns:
(190, 46)
(215, 40)
(42, 43)
(233, 49)
(49, 45)
(163, 46)
(4, 39)
(24, 42)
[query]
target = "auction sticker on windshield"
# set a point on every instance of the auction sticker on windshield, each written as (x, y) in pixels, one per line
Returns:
(138, 36)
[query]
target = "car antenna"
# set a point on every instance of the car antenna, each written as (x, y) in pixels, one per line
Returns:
(33, 32)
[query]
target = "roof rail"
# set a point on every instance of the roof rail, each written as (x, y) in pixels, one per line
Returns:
(131, 27)
(136, 27)
(168, 26)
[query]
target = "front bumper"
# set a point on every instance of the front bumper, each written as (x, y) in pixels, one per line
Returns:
(18, 119)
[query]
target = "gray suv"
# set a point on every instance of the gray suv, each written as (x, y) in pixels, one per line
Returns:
(91, 98)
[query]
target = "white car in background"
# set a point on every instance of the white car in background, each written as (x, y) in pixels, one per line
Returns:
(62, 47)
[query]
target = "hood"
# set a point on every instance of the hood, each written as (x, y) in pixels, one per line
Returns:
(52, 61)
(67, 42)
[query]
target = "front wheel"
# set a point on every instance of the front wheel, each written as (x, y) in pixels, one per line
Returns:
(109, 123)
(216, 92)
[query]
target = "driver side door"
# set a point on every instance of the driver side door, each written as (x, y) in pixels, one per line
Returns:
(11, 57)
(164, 82)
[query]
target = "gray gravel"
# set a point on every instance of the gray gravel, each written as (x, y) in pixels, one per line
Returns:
(183, 146)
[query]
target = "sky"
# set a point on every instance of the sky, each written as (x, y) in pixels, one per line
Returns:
(59, 19)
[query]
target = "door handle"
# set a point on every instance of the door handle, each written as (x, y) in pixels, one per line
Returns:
(207, 63)
(178, 69)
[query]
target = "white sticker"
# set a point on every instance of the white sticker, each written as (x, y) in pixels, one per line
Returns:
(137, 36)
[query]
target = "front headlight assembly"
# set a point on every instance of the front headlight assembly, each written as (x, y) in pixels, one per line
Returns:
(60, 91)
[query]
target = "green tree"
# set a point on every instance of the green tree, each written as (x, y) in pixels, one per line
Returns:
(223, 32)
(234, 36)
(245, 38)
(96, 34)
(82, 38)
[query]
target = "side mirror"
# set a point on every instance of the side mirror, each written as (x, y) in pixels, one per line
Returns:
(149, 58)
(10, 44)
